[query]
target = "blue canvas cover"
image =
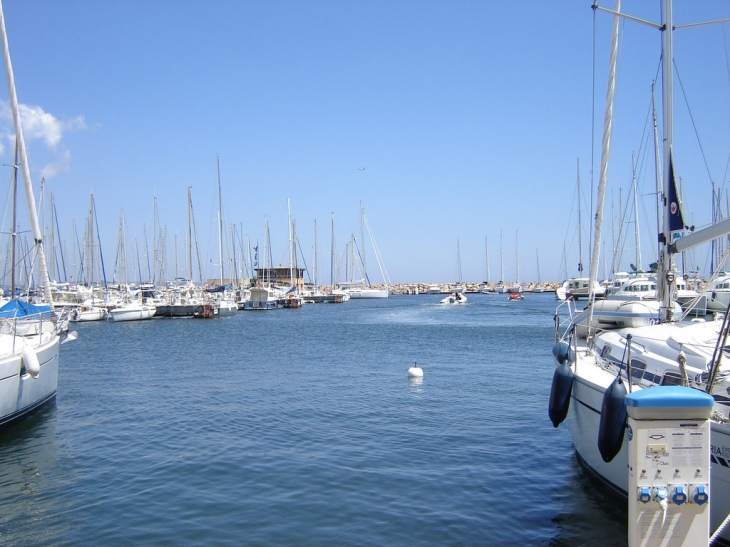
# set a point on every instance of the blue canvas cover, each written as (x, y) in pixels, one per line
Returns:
(22, 309)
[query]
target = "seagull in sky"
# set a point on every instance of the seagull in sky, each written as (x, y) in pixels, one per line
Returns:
(361, 169)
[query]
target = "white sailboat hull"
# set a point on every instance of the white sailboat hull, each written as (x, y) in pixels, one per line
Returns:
(21, 394)
(368, 293)
(133, 312)
(583, 420)
(90, 314)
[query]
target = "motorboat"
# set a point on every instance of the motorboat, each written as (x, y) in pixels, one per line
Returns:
(577, 288)
(263, 298)
(636, 288)
(454, 298)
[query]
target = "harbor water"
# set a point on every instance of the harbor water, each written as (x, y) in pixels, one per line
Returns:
(300, 427)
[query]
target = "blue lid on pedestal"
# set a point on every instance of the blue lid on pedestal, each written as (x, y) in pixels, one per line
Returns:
(669, 403)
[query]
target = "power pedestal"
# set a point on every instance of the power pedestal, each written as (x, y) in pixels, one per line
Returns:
(669, 467)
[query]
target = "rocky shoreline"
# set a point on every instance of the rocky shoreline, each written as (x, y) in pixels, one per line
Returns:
(445, 288)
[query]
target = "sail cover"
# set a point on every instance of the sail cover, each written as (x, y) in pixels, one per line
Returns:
(19, 308)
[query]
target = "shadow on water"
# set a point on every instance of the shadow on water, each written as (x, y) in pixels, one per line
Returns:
(588, 501)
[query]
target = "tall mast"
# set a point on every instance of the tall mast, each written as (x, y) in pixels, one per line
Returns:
(155, 243)
(316, 257)
(658, 166)
(291, 243)
(23, 156)
(332, 254)
(362, 243)
(501, 258)
(666, 282)
(53, 266)
(220, 220)
(91, 247)
(190, 232)
(637, 237)
(517, 256)
(267, 250)
(60, 247)
(606, 147)
(486, 252)
(14, 234)
(580, 229)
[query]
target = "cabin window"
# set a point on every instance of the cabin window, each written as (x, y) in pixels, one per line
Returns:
(672, 379)
(637, 369)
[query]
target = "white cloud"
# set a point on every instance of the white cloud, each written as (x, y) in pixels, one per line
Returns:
(39, 125)
(55, 167)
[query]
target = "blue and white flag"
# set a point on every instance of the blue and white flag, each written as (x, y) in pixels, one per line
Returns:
(676, 221)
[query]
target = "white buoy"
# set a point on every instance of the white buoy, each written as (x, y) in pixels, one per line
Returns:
(415, 371)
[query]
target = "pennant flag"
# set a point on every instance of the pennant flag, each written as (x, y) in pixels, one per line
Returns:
(676, 221)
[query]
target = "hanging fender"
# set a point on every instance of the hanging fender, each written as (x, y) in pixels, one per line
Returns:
(560, 393)
(562, 352)
(30, 360)
(613, 420)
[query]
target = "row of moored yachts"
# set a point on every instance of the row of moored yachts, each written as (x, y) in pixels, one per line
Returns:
(691, 294)
(143, 301)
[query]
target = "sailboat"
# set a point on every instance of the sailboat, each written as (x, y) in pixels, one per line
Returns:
(501, 287)
(579, 287)
(264, 296)
(90, 310)
(517, 287)
(362, 288)
(597, 363)
(486, 287)
(538, 287)
(182, 297)
(457, 295)
(134, 305)
(30, 335)
(223, 304)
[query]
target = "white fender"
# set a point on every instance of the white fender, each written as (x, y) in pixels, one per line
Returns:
(30, 360)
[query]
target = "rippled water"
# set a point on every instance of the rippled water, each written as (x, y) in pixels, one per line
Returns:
(300, 427)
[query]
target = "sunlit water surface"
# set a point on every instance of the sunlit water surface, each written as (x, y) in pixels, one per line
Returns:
(300, 427)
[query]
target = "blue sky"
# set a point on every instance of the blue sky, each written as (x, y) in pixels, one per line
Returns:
(468, 117)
